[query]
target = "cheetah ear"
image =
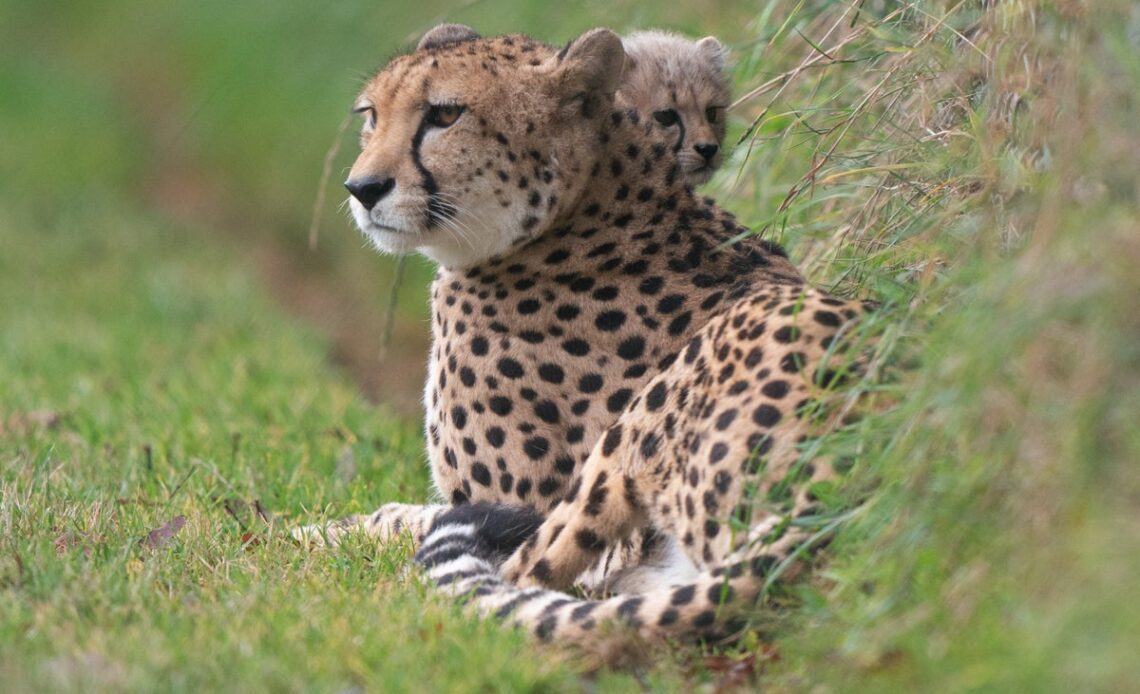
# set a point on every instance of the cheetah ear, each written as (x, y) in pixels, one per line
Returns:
(592, 63)
(446, 34)
(714, 50)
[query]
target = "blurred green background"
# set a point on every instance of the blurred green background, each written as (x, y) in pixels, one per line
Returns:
(213, 118)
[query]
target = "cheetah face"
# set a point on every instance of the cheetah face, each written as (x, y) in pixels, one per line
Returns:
(471, 146)
(698, 131)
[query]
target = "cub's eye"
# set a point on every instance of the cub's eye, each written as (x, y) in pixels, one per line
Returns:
(443, 116)
(666, 117)
(712, 113)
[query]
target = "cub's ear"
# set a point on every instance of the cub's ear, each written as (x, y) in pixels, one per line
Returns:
(445, 34)
(630, 65)
(713, 50)
(592, 64)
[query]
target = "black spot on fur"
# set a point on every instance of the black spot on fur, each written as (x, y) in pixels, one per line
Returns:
(551, 373)
(651, 285)
(609, 321)
(588, 541)
(793, 362)
(720, 594)
(597, 496)
(725, 419)
(501, 406)
(612, 440)
(827, 318)
(583, 611)
(775, 389)
(649, 445)
(683, 595)
(576, 347)
(510, 368)
(766, 416)
(590, 383)
(679, 324)
(786, 334)
(547, 411)
(617, 402)
(704, 619)
(628, 610)
(541, 571)
(481, 474)
(631, 348)
(536, 447)
(655, 399)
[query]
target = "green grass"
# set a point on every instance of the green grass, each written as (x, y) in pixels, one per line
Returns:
(998, 546)
(177, 388)
(148, 372)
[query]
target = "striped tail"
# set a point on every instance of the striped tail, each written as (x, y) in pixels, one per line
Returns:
(466, 546)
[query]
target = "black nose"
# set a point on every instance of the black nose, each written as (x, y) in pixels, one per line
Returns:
(707, 151)
(370, 190)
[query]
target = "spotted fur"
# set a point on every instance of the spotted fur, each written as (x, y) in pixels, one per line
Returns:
(605, 359)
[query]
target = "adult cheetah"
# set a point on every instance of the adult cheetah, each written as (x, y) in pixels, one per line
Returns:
(612, 379)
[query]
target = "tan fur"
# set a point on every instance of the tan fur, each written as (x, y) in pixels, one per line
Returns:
(666, 71)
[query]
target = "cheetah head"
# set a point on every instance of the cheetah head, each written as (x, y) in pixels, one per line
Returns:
(473, 145)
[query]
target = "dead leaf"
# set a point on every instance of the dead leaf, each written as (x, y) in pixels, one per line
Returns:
(241, 511)
(236, 509)
(159, 537)
(64, 542)
(769, 652)
(70, 540)
(735, 672)
(246, 514)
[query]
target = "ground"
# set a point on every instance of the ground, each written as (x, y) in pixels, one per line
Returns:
(168, 404)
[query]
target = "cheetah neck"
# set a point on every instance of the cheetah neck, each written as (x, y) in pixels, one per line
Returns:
(636, 205)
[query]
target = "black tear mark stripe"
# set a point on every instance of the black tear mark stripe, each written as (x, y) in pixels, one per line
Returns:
(437, 209)
(680, 135)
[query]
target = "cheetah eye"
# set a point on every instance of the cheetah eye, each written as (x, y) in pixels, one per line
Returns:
(444, 115)
(369, 115)
(712, 113)
(666, 117)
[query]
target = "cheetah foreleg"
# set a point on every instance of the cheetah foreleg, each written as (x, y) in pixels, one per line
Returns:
(600, 511)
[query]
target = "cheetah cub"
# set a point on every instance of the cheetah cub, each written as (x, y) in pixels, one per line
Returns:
(682, 85)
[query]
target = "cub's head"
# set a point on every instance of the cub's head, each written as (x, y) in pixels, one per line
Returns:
(472, 145)
(681, 84)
